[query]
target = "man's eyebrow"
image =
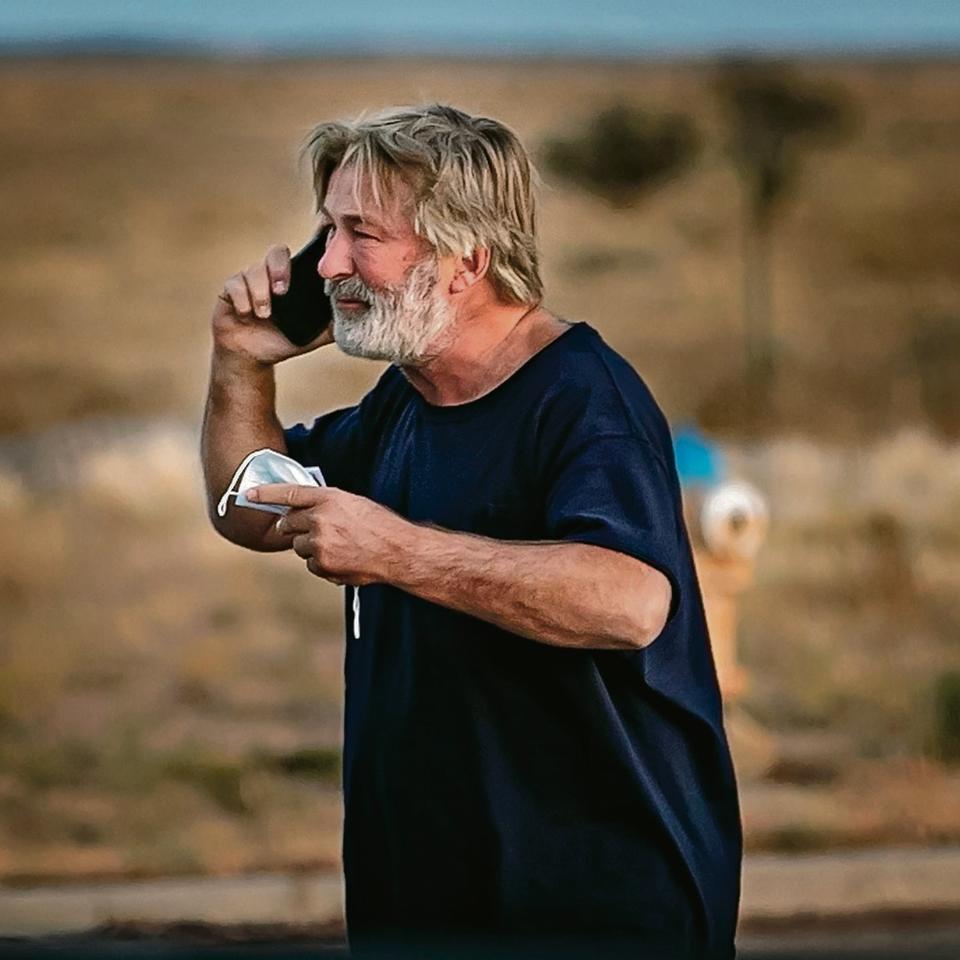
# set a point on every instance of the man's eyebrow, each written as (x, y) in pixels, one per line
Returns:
(352, 217)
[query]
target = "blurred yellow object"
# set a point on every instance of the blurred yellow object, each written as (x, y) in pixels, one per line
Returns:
(729, 524)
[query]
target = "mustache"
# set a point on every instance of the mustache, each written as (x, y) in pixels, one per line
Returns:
(353, 288)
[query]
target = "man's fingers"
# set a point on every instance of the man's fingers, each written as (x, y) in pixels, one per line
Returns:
(278, 269)
(248, 293)
(258, 283)
(286, 495)
(237, 295)
(303, 546)
(296, 521)
(318, 571)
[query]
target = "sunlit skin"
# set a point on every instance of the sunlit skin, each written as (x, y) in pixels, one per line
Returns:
(378, 244)
(566, 594)
(375, 243)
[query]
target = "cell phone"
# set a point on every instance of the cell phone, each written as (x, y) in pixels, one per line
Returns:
(304, 311)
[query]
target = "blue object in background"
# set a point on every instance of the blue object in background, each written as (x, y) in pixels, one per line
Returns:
(699, 460)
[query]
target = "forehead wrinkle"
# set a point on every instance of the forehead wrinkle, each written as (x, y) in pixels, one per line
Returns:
(391, 214)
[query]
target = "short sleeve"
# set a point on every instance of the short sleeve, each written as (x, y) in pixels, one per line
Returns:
(615, 491)
(334, 443)
(342, 442)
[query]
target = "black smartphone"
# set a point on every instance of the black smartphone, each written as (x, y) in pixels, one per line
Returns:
(303, 312)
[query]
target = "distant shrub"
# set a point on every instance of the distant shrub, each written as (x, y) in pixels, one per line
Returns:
(797, 838)
(624, 152)
(946, 717)
(220, 779)
(317, 763)
(936, 353)
(70, 763)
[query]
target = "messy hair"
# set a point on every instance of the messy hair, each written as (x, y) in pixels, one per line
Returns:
(473, 183)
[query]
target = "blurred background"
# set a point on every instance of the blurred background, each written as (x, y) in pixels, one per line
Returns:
(758, 204)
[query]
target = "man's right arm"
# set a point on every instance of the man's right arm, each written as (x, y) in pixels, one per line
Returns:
(239, 418)
(240, 414)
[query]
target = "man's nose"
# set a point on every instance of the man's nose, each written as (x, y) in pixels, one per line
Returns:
(336, 262)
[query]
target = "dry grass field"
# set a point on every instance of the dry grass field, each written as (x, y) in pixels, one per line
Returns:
(170, 703)
(131, 189)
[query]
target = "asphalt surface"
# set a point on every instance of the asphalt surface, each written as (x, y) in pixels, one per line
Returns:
(865, 945)
(891, 904)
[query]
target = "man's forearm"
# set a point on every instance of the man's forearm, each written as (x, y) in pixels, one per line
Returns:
(240, 416)
(565, 594)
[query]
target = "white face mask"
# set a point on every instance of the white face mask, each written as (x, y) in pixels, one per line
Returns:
(267, 466)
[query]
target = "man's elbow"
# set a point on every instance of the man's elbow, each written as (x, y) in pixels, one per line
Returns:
(251, 536)
(650, 607)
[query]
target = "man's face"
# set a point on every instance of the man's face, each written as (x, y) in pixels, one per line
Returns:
(383, 280)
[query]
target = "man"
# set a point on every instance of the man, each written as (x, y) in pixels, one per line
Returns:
(534, 757)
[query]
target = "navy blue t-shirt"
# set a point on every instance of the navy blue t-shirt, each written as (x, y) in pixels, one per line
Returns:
(499, 787)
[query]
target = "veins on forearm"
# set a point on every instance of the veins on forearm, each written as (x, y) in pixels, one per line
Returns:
(563, 594)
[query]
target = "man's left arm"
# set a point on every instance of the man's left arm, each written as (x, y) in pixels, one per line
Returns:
(566, 594)
(560, 593)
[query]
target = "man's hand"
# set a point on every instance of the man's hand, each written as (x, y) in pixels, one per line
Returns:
(566, 594)
(241, 317)
(344, 538)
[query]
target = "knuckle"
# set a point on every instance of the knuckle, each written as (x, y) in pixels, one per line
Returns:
(236, 294)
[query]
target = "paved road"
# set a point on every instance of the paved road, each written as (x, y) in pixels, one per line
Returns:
(264, 898)
(814, 889)
(866, 945)
(845, 882)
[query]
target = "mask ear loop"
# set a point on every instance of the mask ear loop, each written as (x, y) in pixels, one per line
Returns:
(238, 473)
(356, 612)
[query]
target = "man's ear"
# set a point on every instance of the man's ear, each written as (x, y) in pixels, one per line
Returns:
(470, 269)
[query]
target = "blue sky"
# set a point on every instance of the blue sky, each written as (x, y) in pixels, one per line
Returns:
(616, 27)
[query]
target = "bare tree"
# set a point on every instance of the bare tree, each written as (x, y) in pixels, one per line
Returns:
(774, 117)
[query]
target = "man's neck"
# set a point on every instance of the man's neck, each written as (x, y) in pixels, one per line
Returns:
(486, 348)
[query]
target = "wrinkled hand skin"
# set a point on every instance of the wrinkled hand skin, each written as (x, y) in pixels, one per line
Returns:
(566, 594)
(344, 538)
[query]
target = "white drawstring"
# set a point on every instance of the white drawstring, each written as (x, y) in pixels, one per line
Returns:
(318, 476)
(222, 505)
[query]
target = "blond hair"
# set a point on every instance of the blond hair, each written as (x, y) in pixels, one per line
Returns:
(473, 183)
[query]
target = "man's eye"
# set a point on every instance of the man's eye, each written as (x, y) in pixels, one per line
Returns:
(365, 236)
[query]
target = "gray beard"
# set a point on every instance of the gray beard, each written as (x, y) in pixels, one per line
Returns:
(403, 323)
